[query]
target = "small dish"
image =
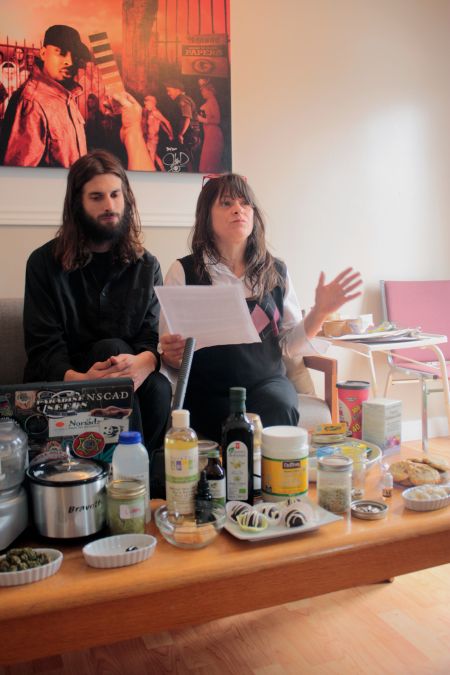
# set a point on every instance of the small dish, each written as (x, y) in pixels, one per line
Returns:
(411, 500)
(185, 531)
(119, 550)
(369, 509)
(35, 573)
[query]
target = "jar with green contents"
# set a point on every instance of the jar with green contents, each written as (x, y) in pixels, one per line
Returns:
(334, 483)
(126, 506)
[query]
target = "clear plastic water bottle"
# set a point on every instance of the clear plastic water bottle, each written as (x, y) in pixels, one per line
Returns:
(130, 460)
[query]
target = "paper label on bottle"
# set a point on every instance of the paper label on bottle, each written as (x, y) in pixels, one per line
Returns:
(217, 489)
(181, 478)
(237, 471)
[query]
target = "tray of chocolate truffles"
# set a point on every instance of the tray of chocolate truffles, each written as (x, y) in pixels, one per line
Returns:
(271, 520)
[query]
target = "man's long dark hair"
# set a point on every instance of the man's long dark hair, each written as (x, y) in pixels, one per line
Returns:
(261, 273)
(71, 247)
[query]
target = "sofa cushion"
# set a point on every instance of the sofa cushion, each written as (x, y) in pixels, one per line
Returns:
(313, 411)
(299, 375)
(12, 360)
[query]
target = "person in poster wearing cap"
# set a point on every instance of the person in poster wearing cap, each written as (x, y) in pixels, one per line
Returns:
(44, 126)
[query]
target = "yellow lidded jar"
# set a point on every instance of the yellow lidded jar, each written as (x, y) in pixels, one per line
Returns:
(284, 463)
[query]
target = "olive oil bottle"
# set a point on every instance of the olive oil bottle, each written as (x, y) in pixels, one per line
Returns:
(237, 449)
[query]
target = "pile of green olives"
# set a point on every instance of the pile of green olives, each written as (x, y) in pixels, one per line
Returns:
(18, 559)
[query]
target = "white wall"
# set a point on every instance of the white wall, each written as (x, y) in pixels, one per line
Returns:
(341, 114)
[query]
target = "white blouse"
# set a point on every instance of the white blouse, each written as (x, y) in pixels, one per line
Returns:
(293, 339)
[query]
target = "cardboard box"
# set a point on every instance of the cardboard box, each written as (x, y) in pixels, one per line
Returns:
(382, 423)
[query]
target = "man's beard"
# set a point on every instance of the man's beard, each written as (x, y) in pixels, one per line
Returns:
(97, 233)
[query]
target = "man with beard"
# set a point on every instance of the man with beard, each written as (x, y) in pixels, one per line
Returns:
(90, 306)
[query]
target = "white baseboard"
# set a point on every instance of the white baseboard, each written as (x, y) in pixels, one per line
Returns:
(412, 429)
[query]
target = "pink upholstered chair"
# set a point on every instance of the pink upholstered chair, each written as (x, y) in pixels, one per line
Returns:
(414, 304)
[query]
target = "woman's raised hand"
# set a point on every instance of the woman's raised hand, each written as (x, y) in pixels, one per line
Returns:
(330, 297)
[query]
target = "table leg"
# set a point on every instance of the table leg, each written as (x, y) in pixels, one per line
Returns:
(445, 387)
(373, 377)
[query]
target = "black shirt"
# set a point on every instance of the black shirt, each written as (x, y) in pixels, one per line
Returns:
(65, 313)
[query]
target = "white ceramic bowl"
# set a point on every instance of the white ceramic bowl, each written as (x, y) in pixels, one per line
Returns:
(35, 573)
(425, 504)
(112, 551)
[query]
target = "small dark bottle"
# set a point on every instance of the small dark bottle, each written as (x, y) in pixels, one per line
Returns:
(237, 449)
(216, 477)
(203, 500)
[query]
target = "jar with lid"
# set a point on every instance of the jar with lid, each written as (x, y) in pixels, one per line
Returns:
(334, 483)
(284, 463)
(126, 506)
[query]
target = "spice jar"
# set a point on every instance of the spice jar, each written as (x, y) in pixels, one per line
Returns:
(126, 506)
(334, 483)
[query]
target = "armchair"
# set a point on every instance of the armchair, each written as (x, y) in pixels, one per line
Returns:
(314, 410)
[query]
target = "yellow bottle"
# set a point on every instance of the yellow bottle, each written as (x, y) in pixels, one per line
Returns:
(181, 464)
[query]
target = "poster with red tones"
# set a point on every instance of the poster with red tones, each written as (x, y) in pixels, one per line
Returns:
(148, 80)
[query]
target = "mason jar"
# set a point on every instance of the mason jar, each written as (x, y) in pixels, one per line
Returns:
(334, 483)
(126, 506)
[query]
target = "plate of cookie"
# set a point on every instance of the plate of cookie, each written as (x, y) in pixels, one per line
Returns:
(271, 520)
(426, 470)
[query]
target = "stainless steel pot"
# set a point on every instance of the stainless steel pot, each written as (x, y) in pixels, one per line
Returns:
(68, 496)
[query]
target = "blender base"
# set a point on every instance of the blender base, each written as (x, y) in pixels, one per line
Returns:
(13, 516)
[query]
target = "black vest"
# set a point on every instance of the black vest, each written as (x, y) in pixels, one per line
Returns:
(216, 369)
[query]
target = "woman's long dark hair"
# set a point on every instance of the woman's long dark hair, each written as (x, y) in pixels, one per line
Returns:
(71, 247)
(261, 273)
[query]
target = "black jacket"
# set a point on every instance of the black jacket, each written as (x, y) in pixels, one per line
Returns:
(65, 313)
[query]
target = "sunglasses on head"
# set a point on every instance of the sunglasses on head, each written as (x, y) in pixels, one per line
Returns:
(212, 176)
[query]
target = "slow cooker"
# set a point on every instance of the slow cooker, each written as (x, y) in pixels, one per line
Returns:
(68, 496)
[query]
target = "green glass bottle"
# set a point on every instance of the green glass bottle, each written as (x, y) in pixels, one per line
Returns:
(237, 449)
(216, 477)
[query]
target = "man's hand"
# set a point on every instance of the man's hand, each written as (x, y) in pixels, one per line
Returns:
(135, 366)
(131, 133)
(96, 372)
(130, 109)
(172, 349)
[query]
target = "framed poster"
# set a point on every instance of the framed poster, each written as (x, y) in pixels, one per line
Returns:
(148, 80)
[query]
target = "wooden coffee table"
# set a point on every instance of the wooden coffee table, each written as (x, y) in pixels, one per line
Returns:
(80, 607)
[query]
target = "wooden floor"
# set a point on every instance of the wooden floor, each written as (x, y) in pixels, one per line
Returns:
(392, 628)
